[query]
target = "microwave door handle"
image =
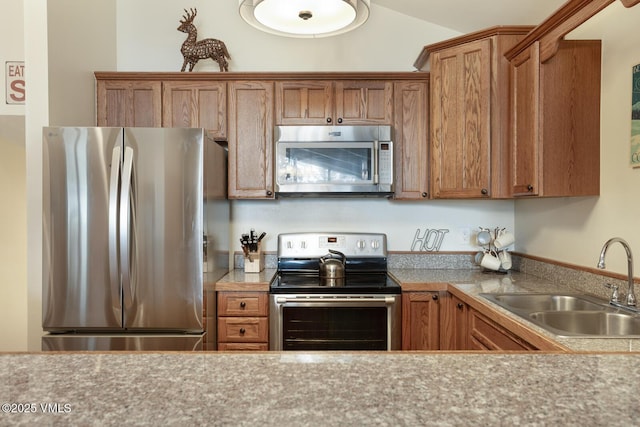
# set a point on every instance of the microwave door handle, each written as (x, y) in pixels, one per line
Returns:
(376, 176)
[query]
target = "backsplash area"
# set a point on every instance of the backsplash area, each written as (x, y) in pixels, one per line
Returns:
(574, 279)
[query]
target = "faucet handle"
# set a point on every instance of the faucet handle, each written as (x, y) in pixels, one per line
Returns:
(615, 296)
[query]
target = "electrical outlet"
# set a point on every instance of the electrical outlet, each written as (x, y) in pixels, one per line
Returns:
(465, 235)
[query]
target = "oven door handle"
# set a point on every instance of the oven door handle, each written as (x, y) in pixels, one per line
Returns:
(368, 300)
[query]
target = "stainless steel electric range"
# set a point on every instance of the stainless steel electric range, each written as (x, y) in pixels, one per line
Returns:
(312, 311)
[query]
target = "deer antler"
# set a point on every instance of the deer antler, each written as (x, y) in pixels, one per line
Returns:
(189, 18)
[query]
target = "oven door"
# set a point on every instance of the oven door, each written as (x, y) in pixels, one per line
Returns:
(335, 322)
(334, 167)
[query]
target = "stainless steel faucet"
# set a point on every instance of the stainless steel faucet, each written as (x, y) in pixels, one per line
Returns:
(630, 299)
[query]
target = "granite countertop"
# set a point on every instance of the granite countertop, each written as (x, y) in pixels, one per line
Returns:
(471, 282)
(323, 389)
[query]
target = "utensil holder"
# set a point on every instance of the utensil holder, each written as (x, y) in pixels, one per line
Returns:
(254, 262)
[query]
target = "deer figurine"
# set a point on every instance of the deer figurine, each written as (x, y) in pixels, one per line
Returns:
(193, 50)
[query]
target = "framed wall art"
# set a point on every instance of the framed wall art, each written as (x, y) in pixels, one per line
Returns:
(635, 117)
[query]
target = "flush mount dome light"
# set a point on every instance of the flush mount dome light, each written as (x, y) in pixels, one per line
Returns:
(305, 18)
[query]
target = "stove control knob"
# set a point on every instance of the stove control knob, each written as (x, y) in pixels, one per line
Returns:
(289, 244)
(303, 244)
(361, 244)
(375, 244)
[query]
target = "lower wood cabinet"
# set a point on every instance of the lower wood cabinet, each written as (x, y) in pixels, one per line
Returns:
(421, 321)
(485, 334)
(453, 323)
(243, 322)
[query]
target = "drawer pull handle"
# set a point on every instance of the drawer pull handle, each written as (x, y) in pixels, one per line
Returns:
(242, 331)
(243, 304)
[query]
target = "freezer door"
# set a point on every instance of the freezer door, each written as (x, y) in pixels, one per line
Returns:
(161, 229)
(79, 289)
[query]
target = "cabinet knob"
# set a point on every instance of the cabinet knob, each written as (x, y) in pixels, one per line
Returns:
(484, 191)
(340, 120)
(242, 331)
(328, 119)
(434, 297)
(269, 193)
(529, 187)
(243, 304)
(425, 194)
(460, 306)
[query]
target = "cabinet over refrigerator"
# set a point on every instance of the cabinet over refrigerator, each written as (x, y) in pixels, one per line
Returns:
(125, 214)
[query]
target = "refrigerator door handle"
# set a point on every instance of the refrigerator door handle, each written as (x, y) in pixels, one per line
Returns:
(114, 184)
(125, 225)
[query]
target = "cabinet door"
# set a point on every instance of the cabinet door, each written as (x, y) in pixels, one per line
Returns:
(250, 139)
(410, 140)
(304, 102)
(121, 103)
(362, 102)
(460, 119)
(196, 104)
(420, 321)
(453, 324)
(525, 92)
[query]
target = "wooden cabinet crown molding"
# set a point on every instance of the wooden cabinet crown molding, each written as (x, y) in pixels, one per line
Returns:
(564, 20)
(235, 76)
(478, 35)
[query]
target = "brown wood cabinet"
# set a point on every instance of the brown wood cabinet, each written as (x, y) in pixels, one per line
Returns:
(196, 104)
(555, 122)
(420, 321)
(209, 320)
(322, 102)
(453, 323)
(243, 322)
(250, 119)
(129, 103)
(469, 114)
(411, 147)
(485, 334)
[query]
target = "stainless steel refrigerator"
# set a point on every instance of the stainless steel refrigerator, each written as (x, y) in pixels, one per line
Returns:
(126, 214)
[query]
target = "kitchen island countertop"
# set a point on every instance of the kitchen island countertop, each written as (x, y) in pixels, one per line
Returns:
(319, 389)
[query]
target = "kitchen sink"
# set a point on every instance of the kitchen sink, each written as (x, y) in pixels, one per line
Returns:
(589, 322)
(545, 302)
(570, 315)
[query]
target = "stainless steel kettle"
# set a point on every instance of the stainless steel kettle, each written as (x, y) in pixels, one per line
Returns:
(332, 268)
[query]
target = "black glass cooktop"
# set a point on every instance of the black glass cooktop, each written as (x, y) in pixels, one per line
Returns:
(354, 283)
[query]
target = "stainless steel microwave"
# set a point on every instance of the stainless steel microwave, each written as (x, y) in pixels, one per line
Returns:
(333, 160)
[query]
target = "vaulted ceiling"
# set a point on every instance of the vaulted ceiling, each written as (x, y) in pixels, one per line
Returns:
(472, 15)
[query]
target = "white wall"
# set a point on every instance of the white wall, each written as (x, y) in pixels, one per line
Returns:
(574, 230)
(13, 224)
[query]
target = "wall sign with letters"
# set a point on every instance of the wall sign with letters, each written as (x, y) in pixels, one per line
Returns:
(635, 117)
(15, 90)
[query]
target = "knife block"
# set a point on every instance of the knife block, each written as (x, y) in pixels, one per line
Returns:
(254, 262)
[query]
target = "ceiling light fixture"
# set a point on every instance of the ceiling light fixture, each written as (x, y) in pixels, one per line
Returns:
(305, 18)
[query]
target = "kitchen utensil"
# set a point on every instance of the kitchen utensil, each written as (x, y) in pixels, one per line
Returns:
(484, 237)
(330, 267)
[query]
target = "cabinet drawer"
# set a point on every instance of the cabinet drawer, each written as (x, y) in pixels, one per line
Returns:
(243, 303)
(243, 346)
(243, 329)
(484, 334)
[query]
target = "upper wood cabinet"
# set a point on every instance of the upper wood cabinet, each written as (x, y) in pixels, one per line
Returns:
(304, 102)
(469, 114)
(555, 122)
(196, 104)
(250, 118)
(364, 102)
(129, 103)
(411, 148)
(318, 102)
